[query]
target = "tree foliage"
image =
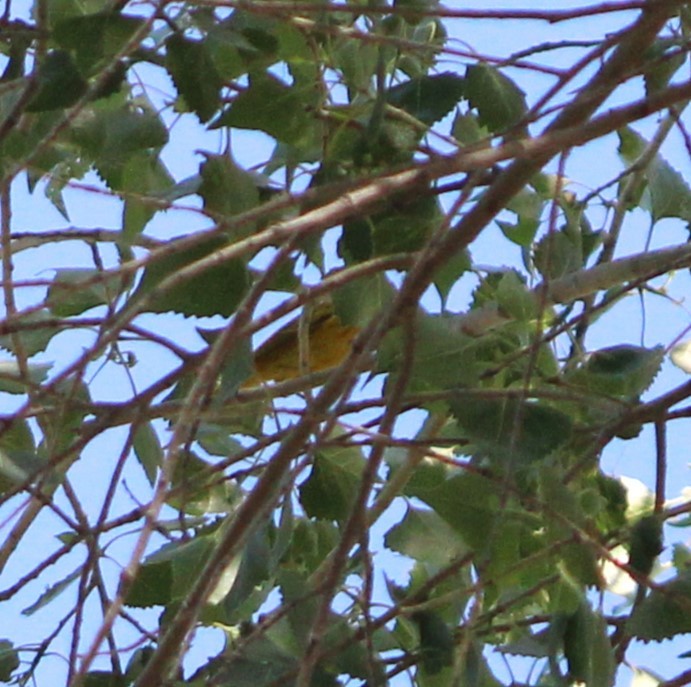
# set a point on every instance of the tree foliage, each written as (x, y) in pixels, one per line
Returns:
(426, 505)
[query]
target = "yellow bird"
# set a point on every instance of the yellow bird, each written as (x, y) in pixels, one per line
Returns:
(320, 343)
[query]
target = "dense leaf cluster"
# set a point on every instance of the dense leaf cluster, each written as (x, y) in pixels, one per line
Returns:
(435, 498)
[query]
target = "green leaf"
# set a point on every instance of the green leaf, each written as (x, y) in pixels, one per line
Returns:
(194, 74)
(152, 585)
(12, 382)
(53, 592)
(243, 590)
(226, 188)
(217, 290)
(111, 137)
(96, 38)
(436, 641)
(587, 648)
(666, 193)
(333, 483)
(357, 62)
(59, 83)
(425, 536)
(102, 678)
(467, 130)
(147, 185)
(269, 105)
(237, 368)
(664, 613)
(217, 441)
(622, 371)
(645, 543)
(515, 299)
(259, 662)
(64, 412)
(403, 228)
(35, 331)
(198, 490)
(9, 660)
(311, 542)
(578, 558)
(556, 255)
(468, 502)
(428, 98)
(664, 57)
(474, 670)
(447, 276)
(528, 207)
(73, 291)
(148, 450)
(512, 432)
(19, 462)
(165, 575)
(443, 357)
(499, 102)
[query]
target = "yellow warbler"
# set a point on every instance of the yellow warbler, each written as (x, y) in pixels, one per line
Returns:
(284, 356)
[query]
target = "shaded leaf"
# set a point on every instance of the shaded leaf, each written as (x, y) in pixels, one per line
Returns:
(447, 276)
(194, 74)
(148, 450)
(96, 37)
(587, 648)
(59, 83)
(111, 137)
(198, 490)
(165, 575)
(664, 57)
(19, 462)
(510, 431)
(515, 299)
(467, 130)
(443, 357)
(9, 660)
(556, 255)
(623, 371)
(436, 641)
(226, 188)
(330, 490)
(269, 105)
(73, 291)
(217, 290)
(148, 185)
(468, 502)
(645, 543)
(243, 591)
(499, 102)
(428, 98)
(35, 331)
(102, 678)
(217, 441)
